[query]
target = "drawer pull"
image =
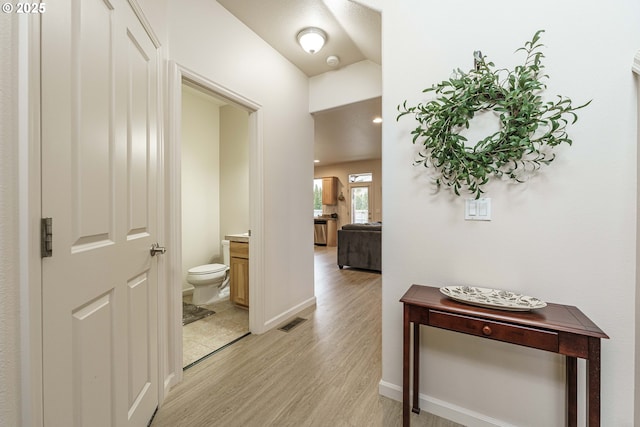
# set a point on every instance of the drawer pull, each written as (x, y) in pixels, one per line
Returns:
(486, 330)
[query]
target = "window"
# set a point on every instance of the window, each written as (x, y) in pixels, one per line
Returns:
(360, 177)
(317, 197)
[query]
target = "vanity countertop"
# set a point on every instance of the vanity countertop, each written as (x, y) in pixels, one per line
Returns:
(240, 237)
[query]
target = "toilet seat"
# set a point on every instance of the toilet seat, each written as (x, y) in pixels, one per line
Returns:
(207, 269)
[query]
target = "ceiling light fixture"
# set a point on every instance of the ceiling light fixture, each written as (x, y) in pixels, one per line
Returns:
(377, 120)
(312, 39)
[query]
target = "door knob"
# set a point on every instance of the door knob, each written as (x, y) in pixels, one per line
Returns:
(157, 249)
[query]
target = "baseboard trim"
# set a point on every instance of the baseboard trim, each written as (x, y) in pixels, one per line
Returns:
(443, 409)
(169, 381)
(284, 316)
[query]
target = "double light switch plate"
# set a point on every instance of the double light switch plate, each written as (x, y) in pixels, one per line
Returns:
(477, 209)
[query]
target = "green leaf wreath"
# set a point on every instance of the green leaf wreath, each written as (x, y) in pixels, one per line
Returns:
(529, 127)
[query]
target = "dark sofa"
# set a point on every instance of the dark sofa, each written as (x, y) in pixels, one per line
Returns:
(360, 246)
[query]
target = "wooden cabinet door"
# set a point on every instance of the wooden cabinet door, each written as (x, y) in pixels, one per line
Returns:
(330, 190)
(332, 232)
(239, 292)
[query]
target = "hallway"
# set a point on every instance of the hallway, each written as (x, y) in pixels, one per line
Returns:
(323, 372)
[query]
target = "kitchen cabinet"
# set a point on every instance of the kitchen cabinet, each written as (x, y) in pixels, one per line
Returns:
(330, 190)
(239, 286)
(332, 232)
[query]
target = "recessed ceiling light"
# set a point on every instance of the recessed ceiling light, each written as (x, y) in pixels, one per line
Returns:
(316, 161)
(377, 120)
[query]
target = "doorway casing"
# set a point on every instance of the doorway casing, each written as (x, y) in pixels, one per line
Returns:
(173, 308)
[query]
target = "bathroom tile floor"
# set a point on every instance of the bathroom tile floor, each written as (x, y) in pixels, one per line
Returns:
(209, 334)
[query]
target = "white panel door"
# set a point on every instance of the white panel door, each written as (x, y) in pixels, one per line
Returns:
(99, 164)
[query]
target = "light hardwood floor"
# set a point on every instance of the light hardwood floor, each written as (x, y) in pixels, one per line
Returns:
(324, 372)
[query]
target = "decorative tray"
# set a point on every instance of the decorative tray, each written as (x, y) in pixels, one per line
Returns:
(492, 298)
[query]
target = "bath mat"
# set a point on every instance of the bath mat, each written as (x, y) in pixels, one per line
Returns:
(191, 313)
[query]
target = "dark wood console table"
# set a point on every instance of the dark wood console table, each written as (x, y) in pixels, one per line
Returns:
(558, 328)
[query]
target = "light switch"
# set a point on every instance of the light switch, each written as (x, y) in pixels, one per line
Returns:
(478, 209)
(473, 208)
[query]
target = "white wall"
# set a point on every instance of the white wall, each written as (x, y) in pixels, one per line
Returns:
(205, 38)
(200, 148)
(373, 4)
(215, 176)
(353, 83)
(566, 236)
(234, 170)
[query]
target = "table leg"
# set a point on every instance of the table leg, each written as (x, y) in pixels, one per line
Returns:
(406, 366)
(416, 368)
(593, 383)
(572, 391)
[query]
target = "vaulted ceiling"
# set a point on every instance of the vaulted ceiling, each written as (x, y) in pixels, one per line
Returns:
(354, 34)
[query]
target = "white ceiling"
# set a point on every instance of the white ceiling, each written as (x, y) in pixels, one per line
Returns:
(353, 30)
(347, 134)
(354, 34)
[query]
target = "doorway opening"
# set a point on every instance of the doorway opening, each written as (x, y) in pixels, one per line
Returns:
(347, 148)
(171, 300)
(214, 150)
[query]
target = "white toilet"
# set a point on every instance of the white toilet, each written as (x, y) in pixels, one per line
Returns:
(210, 281)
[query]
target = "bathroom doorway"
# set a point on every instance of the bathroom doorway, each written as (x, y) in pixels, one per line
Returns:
(214, 156)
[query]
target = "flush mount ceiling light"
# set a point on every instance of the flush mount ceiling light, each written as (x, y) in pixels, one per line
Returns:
(312, 39)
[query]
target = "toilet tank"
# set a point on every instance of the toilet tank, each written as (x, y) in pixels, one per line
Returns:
(225, 253)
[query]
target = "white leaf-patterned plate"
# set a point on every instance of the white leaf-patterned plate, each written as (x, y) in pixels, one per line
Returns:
(492, 298)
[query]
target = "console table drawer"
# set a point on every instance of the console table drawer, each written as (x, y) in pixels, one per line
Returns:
(522, 335)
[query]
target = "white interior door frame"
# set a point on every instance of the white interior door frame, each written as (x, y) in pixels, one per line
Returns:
(30, 208)
(635, 67)
(173, 308)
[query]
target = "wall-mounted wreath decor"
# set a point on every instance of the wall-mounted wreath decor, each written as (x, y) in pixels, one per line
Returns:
(529, 127)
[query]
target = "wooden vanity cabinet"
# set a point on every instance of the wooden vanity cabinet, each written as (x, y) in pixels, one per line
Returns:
(239, 254)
